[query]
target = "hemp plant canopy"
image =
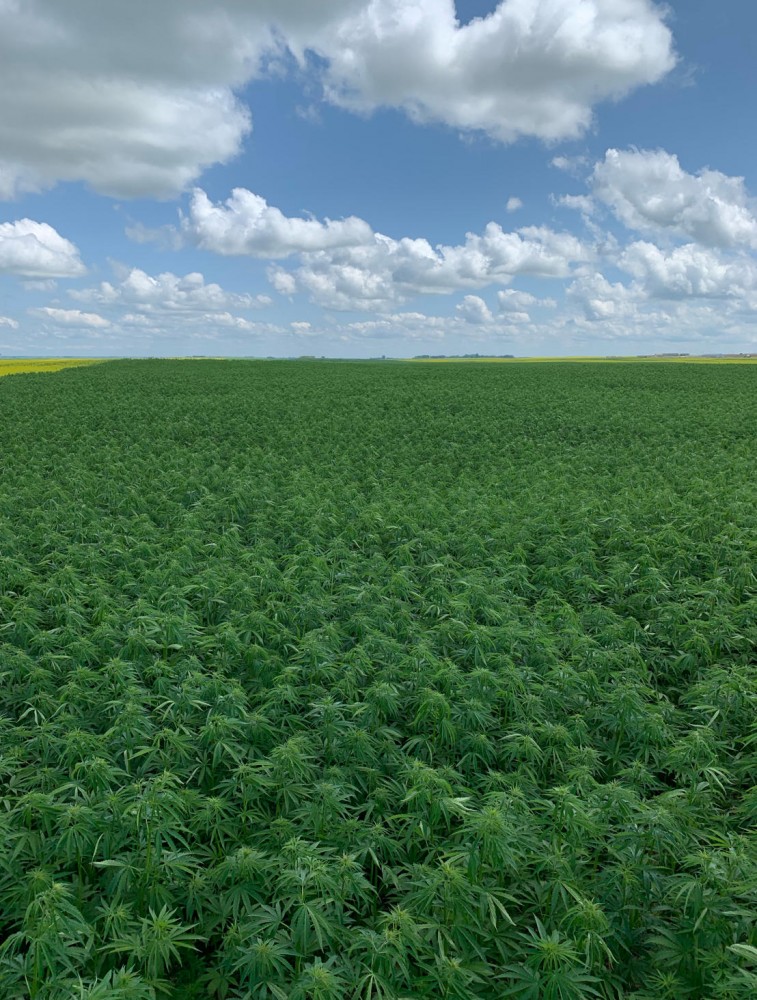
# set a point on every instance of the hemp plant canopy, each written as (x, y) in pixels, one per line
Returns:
(378, 682)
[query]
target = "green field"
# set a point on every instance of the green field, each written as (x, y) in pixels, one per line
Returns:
(654, 359)
(378, 682)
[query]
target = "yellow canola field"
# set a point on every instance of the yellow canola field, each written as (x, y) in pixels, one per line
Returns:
(19, 366)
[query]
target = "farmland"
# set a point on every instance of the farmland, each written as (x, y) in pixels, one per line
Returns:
(23, 366)
(378, 682)
(747, 359)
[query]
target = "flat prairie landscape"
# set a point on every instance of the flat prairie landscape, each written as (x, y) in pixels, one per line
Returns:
(378, 681)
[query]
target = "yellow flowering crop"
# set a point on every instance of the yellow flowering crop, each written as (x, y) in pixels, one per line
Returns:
(17, 366)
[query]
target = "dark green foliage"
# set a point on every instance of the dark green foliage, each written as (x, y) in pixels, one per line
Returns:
(378, 682)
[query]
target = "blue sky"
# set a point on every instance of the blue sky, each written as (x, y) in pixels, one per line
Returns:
(359, 178)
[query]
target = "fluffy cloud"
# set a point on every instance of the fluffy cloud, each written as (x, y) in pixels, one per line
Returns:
(688, 271)
(531, 67)
(71, 317)
(36, 250)
(7, 321)
(182, 326)
(144, 334)
(671, 281)
(474, 310)
(156, 309)
(597, 311)
(686, 294)
(513, 204)
(512, 300)
(636, 322)
(138, 99)
(225, 319)
(301, 327)
(167, 291)
(135, 99)
(649, 191)
(515, 305)
(247, 224)
(472, 327)
(602, 300)
(386, 271)
(513, 309)
(400, 326)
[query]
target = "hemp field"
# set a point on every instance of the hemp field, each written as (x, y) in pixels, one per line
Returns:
(378, 682)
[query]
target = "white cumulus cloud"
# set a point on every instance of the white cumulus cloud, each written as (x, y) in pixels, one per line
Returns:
(399, 326)
(650, 192)
(71, 317)
(138, 99)
(688, 271)
(246, 224)
(8, 321)
(167, 291)
(474, 310)
(601, 299)
(531, 67)
(135, 100)
(36, 250)
(511, 300)
(384, 271)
